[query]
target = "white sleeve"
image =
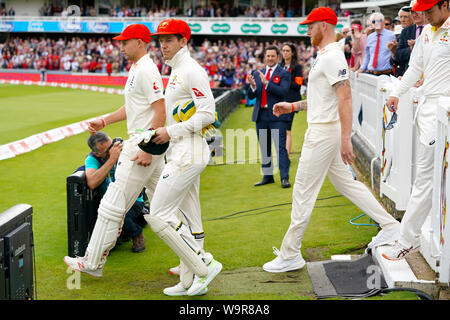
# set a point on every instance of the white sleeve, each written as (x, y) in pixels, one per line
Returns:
(337, 68)
(197, 83)
(151, 84)
(414, 71)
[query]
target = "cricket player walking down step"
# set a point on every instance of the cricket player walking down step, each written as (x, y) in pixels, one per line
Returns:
(190, 107)
(431, 60)
(327, 148)
(144, 108)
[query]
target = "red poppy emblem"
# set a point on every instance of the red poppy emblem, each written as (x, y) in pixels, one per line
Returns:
(276, 79)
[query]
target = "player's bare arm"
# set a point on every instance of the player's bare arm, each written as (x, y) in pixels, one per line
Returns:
(344, 95)
(288, 107)
(99, 123)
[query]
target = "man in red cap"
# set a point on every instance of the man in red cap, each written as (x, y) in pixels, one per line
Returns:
(143, 109)
(327, 148)
(190, 107)
(430, 60)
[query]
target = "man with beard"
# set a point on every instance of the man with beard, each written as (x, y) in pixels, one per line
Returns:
(327, 147)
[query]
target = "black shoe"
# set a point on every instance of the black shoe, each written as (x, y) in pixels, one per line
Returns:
(285, 183)
(265, 180)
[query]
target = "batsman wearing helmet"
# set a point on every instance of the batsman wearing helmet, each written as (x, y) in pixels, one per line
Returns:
(143, 109)
(190, 108)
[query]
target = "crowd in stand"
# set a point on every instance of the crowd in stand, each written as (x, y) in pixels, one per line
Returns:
(226, 10)
(383, 45)
(227, 62)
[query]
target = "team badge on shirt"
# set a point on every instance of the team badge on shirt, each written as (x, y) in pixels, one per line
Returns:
(198, 93)
(156, 88)
(444, 38)
(342, 73)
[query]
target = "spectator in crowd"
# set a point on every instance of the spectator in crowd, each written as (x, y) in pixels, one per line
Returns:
(100, 166)
(269, 86)
(407, 40)
(405, 16)
(359, 41)
(347, 42)
(289, 61)
(377, 58)
(389, 23)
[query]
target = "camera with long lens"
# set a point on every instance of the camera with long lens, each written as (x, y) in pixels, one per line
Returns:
(114, 142)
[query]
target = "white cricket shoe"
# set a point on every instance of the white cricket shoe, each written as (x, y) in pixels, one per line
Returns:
(179, 290)
(200, 283)
(399, 251)
(175, 270)
(281, 265)
(385, 237)
(78, 264)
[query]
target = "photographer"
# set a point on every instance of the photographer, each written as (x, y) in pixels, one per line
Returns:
(100, 166)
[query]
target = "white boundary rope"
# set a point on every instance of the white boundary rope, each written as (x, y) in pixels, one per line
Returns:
(28, 144)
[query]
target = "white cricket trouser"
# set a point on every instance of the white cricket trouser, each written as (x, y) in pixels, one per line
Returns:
(176, 197)
(321, 156)
(420, 201)
(130, 179)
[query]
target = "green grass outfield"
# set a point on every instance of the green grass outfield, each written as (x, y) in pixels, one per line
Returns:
(242, 242)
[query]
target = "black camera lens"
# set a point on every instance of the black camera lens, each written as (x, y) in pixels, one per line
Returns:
(113, 142)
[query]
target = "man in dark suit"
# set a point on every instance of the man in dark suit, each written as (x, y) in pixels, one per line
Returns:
(269, 86)
(406, 42)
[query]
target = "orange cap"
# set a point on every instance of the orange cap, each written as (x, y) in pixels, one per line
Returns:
(323, 14)
(135, 31)
(174, 26)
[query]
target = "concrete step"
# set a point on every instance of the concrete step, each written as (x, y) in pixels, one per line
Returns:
(412, 272)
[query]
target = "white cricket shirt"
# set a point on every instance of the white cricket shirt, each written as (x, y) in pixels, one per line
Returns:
(432, 60)
(329, 67)
(144, 86)
(188, 81)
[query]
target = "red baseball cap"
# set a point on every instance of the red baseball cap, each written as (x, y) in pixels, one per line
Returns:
(135, 31)
(173, 26)
(423, 5)
(323, 14)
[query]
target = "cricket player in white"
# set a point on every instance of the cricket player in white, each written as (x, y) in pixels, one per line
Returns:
(190, 107)
(431, 59)
(144, 108)
(327, 147)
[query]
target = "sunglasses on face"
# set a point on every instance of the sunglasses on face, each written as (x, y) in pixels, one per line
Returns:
(391, 123)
